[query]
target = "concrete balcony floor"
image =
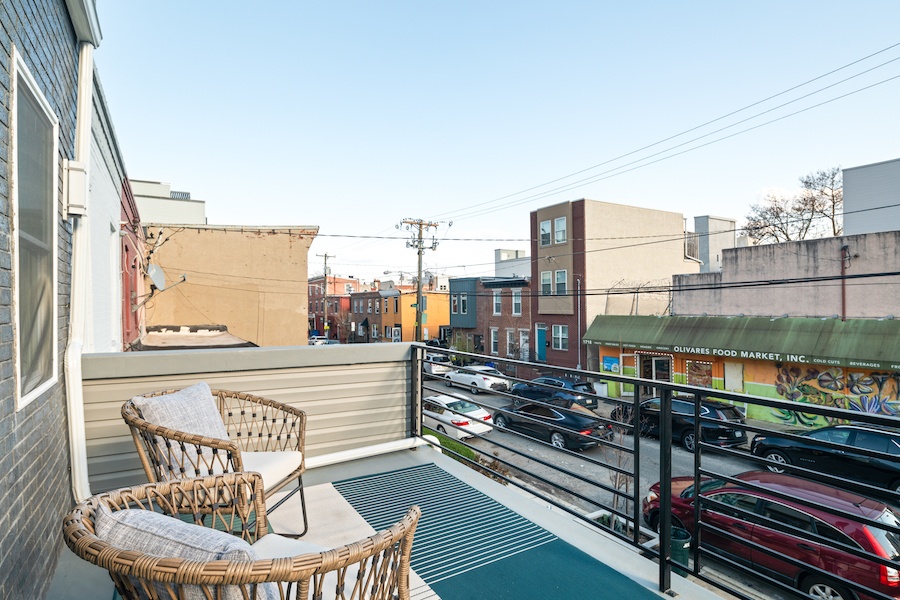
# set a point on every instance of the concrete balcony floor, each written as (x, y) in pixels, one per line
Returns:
(476, 539)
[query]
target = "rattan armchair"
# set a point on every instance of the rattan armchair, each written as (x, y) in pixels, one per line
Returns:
(374, 568)
(264, 435)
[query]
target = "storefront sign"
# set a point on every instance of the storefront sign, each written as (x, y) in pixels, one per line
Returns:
(785, 357)
(611, 364)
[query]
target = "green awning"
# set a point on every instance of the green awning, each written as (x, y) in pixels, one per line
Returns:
(865, 344)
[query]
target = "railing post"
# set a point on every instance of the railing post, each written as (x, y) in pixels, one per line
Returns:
(665, 490)
(695, 539)
(415, 417)
(636, 482)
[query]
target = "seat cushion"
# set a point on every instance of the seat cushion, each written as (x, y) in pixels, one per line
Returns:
(191, 410)
(164, 536)
(273, 466)
(276, 546)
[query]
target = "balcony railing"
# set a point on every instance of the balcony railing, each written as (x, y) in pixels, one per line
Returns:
(605, 485)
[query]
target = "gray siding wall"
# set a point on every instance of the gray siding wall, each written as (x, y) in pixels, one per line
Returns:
(34, 459)
(354, 395)
(868, 190)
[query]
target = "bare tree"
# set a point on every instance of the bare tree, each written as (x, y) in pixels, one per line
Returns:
(816, 211)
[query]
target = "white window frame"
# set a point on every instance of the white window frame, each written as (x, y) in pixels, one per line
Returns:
(545, 229)
(20, 73)
(510, 341)
(377, 306)
(546, 283)
(498, 303)
(374, 331)
(464, 304)
(560, 337)
(561, 278)
(388, 330)
(559, 231)
(495, 341)
(517, 303)
(454, 304)
(370, 306)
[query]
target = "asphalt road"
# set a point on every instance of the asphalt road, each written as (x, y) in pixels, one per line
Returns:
(580, 473)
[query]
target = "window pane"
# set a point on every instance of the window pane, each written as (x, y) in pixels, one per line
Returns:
(560, 227)
(517, 302)
(35, 210)
(497, 303)
(545, 233)
(546, 285)
(561, 277)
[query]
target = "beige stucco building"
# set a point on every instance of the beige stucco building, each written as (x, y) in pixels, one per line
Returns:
(250, 279)
(848, 277)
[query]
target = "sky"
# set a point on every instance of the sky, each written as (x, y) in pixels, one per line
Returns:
(353, 116)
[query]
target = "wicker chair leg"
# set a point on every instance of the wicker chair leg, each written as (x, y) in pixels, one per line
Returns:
(299, 488)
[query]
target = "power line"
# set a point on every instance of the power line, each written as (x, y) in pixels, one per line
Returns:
(662, 141)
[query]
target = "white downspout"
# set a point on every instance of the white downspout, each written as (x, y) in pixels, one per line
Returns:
(81, 487)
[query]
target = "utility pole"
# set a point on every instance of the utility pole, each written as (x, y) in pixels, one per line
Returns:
(325, 326)
(418, 243)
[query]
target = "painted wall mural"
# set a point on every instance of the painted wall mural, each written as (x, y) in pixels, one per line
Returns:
(874, 392)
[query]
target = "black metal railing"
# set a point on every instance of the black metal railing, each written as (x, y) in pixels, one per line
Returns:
(616, 505)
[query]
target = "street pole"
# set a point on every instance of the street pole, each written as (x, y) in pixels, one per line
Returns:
(325, 326)
(418, 243)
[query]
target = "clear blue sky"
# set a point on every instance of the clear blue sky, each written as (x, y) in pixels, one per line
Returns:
(355, 115)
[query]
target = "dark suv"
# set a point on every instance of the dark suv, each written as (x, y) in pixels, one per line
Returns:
(820, 526)
(844, 459)
(548, 389)
(728, 433)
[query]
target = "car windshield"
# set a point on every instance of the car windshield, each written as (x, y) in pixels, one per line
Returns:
(584, 388)
(461, 406)
(889, 540)
(730, 412)
(440, 359)
(705, 486)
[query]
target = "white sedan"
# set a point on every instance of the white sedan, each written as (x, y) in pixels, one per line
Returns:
(441, 412)
(478, 378)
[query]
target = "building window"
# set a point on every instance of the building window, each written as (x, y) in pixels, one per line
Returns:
(34, 156)
(495, 341)
(560, 337)
(510, 342)
(387, 331)
(545, 233)
(561, 277)
(370, 305)
(374, 332)
(517, 303)
(463, 304)
(454, 304)
(559, 230)
(377, 306)
(498, 304)
(546, 283)
(396, 305)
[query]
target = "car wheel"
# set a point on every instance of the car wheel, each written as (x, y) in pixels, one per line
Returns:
(441, 429)
(823, 589)
(474, 389)
(501, 422)
(689, 440)
(653, 521)
(777, 457)
(558, 440)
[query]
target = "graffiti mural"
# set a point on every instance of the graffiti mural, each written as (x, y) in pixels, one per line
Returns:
(871, 392)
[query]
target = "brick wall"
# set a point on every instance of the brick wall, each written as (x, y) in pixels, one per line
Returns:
(34, 456)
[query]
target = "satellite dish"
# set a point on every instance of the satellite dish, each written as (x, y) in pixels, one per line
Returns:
(157, 276)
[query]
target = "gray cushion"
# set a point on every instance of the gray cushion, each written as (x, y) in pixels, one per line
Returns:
(191, 410)
(164, 536)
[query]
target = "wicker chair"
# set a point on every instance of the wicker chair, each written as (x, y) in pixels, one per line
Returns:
(264, 436)
(374, 568)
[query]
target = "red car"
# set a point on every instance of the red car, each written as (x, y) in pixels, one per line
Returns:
(773, 522)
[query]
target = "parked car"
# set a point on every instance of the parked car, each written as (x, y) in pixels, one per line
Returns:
(544, 388)
(478, 378)
(843, 461)
(437, 364)
(563, 428)
(317, 340)
(726, 434)
(772, 522)
(441, 411)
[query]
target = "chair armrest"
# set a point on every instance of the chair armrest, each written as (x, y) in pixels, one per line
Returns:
(259, 424)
